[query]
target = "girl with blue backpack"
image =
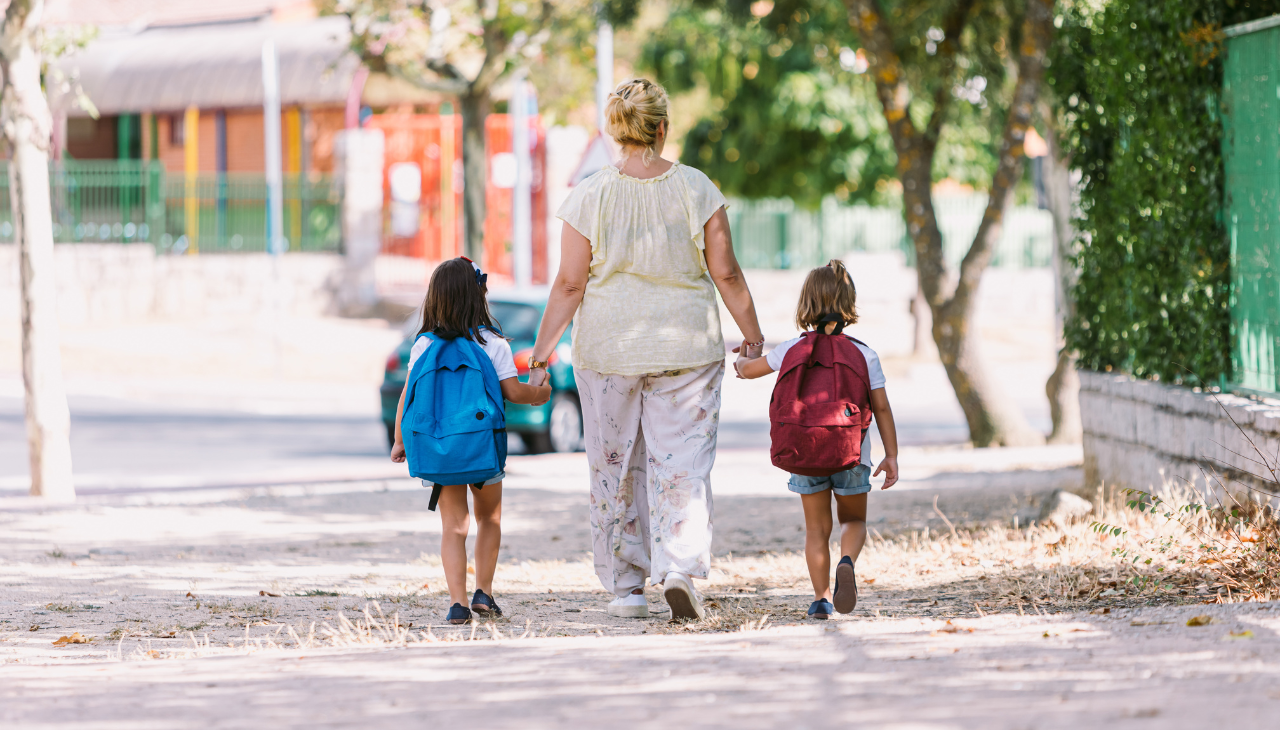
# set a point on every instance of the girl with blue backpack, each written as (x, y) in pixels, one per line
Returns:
(451, 424)
(828, 389)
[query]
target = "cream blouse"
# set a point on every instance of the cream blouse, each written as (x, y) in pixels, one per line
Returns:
(649, 305)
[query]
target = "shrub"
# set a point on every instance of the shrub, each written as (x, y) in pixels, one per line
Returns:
(1137, 86)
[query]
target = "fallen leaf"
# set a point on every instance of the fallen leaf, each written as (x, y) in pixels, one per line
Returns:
(950, 628)
(75, 638)
(34, 627)
(1246, 634)
(153, 654)
(1201, 620)
(272, 595)
(1046, 635)
(189, 595)
(868, 581)
(1101, 611)
(426, 587)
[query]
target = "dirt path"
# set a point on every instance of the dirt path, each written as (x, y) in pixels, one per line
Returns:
(199, 607)
(135, 569)
(1145, 670)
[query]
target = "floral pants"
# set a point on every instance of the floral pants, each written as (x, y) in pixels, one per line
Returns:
(651, 442)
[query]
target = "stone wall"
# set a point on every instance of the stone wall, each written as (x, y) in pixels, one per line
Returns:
(115, 283)
(1143, 434)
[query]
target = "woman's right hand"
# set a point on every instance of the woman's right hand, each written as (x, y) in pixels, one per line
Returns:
(397, 452)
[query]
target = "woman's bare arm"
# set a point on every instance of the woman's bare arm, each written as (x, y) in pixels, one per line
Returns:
(727, 275)
(566, 295)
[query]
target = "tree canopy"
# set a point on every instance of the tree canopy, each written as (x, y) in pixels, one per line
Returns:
(793, 112)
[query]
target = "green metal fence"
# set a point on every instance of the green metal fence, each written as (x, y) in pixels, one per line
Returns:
(773, 234)
(1251, 157)
(138, 202)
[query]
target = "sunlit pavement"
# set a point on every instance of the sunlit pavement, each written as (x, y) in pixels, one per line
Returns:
(1137, 670)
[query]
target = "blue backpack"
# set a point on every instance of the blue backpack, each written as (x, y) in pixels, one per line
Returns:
(454, 421)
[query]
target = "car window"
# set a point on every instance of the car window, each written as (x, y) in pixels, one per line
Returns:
(517, 321)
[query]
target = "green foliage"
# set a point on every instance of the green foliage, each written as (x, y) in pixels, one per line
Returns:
(786, 119)
(1137, 83)
(793, 114)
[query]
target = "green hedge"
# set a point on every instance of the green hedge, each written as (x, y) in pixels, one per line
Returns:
(1138, 86)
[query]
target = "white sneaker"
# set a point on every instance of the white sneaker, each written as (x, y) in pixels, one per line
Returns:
(632, 605)
(681, 597)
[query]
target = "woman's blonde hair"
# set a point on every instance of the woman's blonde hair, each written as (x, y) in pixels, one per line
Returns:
(634, 113)
(827, 290)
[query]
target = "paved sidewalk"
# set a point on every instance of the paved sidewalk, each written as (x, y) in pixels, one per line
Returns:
(1140, 669)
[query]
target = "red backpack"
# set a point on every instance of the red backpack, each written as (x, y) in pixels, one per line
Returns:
(821, 406)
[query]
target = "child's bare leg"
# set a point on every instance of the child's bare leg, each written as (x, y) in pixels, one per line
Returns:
(488, 506)
(817, 541)
(455, 521)
(852, 513)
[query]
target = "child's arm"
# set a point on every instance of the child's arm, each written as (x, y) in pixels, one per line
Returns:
(397, 449)
(757, 368)
(518, 392)
(888, 434)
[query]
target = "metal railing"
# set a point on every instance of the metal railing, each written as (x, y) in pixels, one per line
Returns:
(130, 201)
(776, 234)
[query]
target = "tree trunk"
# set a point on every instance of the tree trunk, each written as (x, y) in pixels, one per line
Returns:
(993, 419)
(475, 108)
(1063, 387)
(27, 125)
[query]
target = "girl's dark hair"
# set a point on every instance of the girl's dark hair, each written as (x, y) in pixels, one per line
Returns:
(456, 304)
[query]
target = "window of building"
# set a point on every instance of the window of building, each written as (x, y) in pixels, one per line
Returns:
(177, 130)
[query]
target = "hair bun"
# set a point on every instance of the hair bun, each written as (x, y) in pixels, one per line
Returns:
(634, 113)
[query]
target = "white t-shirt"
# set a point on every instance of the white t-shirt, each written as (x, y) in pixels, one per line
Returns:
(497, 348)
(875, 376)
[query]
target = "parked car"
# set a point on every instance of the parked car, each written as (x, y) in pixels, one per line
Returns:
(553, 426)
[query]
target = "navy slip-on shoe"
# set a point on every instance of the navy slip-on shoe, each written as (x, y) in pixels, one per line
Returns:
(483, 604)
(458, 614)
(846, 594)
(821, 609)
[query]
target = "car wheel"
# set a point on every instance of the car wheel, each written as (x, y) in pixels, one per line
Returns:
(565, 432)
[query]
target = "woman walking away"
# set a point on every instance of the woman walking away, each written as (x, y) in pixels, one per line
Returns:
(454, 415)
(825, 443)
(645, 246)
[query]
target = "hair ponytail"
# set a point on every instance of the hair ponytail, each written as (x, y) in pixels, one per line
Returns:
(827, 290)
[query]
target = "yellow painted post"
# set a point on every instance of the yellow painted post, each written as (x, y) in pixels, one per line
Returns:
(191, 154)
(293, 166)
(448, 222)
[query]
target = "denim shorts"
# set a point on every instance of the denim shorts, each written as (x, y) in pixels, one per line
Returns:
(845, 483)
(501, 475)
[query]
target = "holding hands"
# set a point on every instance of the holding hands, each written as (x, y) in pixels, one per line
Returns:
(747, 352)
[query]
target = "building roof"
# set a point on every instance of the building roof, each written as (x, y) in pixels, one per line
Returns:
(153, 13)
(214, 65)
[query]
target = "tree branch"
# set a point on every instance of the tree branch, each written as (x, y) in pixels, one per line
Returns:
(952, 28)
(1037, 31)
(453, 87)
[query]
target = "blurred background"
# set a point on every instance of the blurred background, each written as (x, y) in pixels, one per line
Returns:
(225, 324)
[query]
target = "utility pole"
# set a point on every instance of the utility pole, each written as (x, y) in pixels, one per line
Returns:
(28, 126)
(522, 195)
(604, 70)
(275, 162)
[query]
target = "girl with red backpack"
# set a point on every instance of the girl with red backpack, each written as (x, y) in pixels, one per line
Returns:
(829, 387)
